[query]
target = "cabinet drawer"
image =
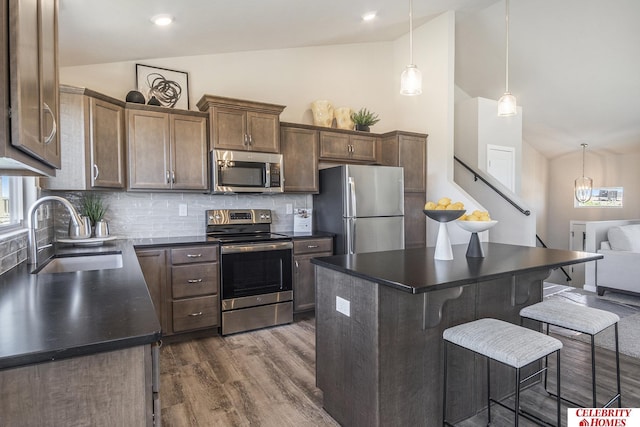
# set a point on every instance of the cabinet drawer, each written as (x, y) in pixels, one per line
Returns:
(194, 254)
(307, 246)
(194, 280)
(195, 313)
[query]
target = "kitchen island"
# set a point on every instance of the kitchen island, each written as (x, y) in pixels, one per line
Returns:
(380, 318)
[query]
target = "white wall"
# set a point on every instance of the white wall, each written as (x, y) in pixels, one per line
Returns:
(534, 190)
(607, 170)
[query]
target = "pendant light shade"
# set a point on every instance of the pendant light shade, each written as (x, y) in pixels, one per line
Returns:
(411, 78)
(507, 102)
(583, 185)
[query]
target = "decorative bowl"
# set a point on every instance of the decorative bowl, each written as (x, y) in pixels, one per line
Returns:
(476, 226)
(442, 215)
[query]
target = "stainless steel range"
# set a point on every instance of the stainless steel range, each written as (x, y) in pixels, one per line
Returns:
(255, 269)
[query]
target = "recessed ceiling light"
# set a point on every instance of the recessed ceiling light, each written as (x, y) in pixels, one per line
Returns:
(162, 19)
(369, 16)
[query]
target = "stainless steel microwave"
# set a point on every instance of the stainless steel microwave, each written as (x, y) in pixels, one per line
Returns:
(246, 172)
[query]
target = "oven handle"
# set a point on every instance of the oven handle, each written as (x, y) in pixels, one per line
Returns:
(255, 247)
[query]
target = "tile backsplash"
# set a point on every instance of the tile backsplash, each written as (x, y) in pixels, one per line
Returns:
(135, 215)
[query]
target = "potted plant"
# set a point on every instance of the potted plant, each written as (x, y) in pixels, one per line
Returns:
(94, 209)
(364, 118)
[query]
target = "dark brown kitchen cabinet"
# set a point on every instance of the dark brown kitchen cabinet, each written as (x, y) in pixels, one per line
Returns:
(409, 150)
(348, 146)
(29, 143)
(299, 147)
(167, 149)
(153, 263)
(184, 285)
(241, 125)
(304, 282)
(92, 142)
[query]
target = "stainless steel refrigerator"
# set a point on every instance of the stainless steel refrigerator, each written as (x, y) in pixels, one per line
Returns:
(363, 206)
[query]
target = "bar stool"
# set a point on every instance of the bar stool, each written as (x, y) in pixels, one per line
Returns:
(509, 344)
(586, 320)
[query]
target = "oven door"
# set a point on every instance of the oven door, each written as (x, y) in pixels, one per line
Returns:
(250, 269)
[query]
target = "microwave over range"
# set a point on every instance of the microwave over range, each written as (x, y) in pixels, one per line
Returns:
(246, 172)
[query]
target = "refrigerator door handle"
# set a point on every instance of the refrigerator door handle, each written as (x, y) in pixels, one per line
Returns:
(351, 236)
(352, 196)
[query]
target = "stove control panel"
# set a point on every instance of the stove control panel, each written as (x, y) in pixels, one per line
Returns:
(238, 216)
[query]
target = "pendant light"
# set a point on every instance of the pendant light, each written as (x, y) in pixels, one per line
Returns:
(411, 79)
(507, 102)
(583, 185)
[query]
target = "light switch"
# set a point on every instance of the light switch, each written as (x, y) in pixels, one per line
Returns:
(289, 208)
(182, 209)
(343, 306)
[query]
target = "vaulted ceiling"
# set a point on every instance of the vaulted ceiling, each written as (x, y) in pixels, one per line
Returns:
(574, 64)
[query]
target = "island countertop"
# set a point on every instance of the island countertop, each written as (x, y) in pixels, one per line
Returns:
(416, 271)
(47, 317)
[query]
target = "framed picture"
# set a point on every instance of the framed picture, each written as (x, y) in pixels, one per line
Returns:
(170, 87)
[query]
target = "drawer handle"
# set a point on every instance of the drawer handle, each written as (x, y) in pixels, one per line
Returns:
(194, 255)
(196, 314)
(312, 246)
(194, 280)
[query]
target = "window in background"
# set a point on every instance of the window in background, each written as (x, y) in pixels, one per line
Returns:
(11, 207)
(603, 197)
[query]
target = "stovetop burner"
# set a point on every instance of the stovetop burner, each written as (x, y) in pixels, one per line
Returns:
(241, 225)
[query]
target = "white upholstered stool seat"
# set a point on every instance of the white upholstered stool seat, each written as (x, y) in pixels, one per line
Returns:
(504, 342)
(587, 320)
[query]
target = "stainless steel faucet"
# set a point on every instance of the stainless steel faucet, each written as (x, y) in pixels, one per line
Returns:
(75, 219)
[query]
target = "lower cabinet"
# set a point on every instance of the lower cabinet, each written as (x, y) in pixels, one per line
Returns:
(304, 283)
(112, 388)
(184, 285)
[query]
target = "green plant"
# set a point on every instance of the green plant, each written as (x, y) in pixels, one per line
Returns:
(93, 207)
(364, 117)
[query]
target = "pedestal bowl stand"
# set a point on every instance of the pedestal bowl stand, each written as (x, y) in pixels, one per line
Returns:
(474, 250)
(443, 244)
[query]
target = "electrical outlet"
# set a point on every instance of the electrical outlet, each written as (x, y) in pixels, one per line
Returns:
(343, 306)
(182, 209)
(289, 208)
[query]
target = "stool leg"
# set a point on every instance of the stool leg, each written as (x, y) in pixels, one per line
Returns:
(517, 405)
(444, 386)
(488, 391)
(546, 365)
(618, 367)
(558, 386)
(593, 370)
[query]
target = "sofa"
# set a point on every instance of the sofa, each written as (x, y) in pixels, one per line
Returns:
(619, 270)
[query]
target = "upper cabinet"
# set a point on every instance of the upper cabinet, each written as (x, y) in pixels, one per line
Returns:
(242, 125)
(299, 145)
(408, 150)
(167, 149)
(29, 87)
(349, 146)
(92, 142)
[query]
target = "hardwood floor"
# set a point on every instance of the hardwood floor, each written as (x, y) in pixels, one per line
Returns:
(267, 378)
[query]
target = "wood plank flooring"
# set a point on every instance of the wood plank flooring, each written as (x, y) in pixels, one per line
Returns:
(267, 378)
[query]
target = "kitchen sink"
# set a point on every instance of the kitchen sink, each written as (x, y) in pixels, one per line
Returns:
(67, 264)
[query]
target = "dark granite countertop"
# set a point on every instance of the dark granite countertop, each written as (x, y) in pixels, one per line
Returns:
(416, 271)
(54, 316)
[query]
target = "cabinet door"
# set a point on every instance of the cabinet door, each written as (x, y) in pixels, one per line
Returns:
(412, 156)
(300, 159)
(154, 269)
(304, 282)
(25, 77)
(264, 132)
(363, 148)
(49, 113)
(106, 138)
(148, 140)
(334, 146)
(189, 152)
(229, 129)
